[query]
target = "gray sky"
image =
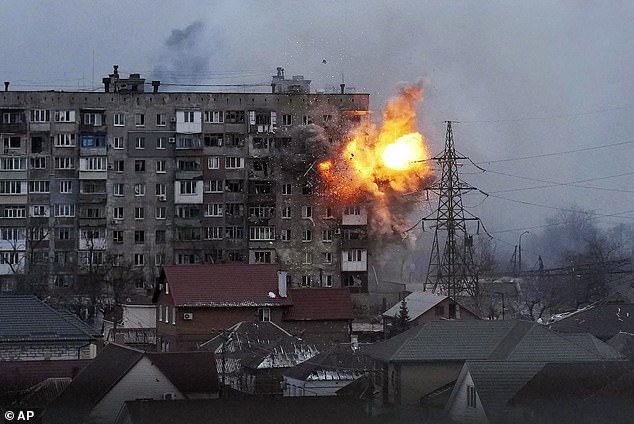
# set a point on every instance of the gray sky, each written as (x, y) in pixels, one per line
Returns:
(525, 78)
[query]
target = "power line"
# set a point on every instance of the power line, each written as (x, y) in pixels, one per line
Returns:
(552, 117)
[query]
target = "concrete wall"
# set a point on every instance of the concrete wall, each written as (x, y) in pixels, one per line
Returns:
(30, 351)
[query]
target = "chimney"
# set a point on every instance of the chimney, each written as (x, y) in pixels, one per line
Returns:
(281, 283)
(6, 86)
(343, 86)
(155, 86)
(106, 84)
(116, 70)
(280, 72)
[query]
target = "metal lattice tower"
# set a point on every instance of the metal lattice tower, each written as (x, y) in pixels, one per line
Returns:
(453, 271)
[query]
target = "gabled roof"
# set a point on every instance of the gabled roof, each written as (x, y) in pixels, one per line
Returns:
(496, 382)
(417, 304)
(340, 362)
(319, 304)
(603, 320)
(224, 285)
(28, 319)
(186, 370)
(483, 340)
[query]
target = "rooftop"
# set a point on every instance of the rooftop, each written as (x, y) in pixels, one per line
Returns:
(319, 304)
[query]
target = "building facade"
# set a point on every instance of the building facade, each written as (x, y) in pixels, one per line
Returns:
(128, 178)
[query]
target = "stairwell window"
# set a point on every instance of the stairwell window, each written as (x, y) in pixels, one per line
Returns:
(471, 397)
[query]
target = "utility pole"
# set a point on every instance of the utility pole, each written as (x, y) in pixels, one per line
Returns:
(453, 271)
(520, 252)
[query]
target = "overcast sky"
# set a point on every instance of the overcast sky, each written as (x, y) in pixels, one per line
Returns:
(525, 78)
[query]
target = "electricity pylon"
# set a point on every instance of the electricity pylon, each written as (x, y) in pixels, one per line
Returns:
(453, 271)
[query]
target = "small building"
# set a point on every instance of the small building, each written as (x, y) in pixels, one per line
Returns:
(319, 315)
(121, 373)
(427, 306)
(195, 301)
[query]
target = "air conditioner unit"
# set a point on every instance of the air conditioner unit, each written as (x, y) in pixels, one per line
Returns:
(338, 231)
(162, 197)
(188, 316)
(171, 140)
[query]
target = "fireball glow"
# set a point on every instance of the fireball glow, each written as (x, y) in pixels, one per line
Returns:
(404, 152)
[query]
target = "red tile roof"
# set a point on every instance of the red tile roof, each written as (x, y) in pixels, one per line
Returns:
(319, 304)
(224, 285)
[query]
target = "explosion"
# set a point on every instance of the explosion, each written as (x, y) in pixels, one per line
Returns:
(378, 166)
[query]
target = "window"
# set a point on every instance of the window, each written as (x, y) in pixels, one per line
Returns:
(261, 211)
(352, 210)
(235, 116)
(307, 189)
(213, 162)
(139, 166)
(160, 120)
(306, 281)
(66, 186)
(119, 165)
(39, 210)
(192, 164)
(117, 213)
(261, 233)
(160, 143)
(287, 212)
(65, 209)
(326, 280)
(308, 258)
(234, 186)
(234, 209)
(213, 186)
(213, 140)
(355, 255)
(188, 233)
(159, 259)
(306, 120)
(262, 257)
(187, 212)
(118, 119)
(139, 119)
(234, 232)
(189, 116)
(160, 166)
(161, 189)
(40, 115)
(471, 396)
(213, 233)
(117, 189)
(139, 259)
(64, 140)
(214, 116)
(213, 209)
(38, 162)
(326, 257)
(233, 162)
(328, 212)
(307, 211)
(93, 164)
(65, 116)
(139, 143)
(139, 212)
(287, 120)
(307, 235)
(12, 234)
(139, 237)
(11, 187)
(285, 235)
(64, 163)
(12, 142)
(117, 237)
(139, 189)
(160, 212)
(264, 314)
(64, 233)
(92, 118)
(117, 143)
(188, 187)
(326, 236)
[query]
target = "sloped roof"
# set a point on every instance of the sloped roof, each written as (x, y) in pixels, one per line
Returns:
(340, 362)
(603, 320)
(496, 382)
(224, 285)
(318, 304)
(190, 372)
(41, 394)
(417, 304)
(624, 344)
(28, 319)
(483, 340)
(185, 370)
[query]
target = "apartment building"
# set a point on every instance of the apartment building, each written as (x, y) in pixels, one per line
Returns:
(134, 178)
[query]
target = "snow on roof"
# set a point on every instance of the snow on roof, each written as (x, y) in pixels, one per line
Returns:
(417, 304)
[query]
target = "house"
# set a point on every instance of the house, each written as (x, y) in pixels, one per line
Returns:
(319, 315)
(425, 358)
(484, 388)
(136, 323)
(120, 373)
(195, 301)
(327, 372)
(589, 392)
(602, 320)
(427, 306)
(305, 410)
(252, 356)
